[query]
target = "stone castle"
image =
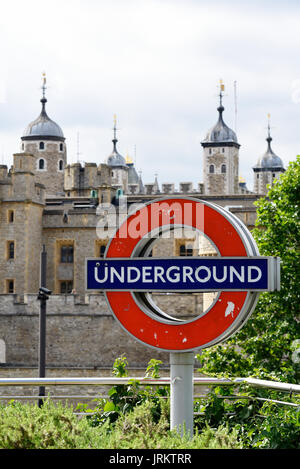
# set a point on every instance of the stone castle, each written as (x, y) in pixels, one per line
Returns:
(46, 202)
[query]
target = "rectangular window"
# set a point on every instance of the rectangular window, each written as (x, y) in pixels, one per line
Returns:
(67, 254)
(10, 286)
(66, 286)
(102, 250)
(10, 249)
(10, 216)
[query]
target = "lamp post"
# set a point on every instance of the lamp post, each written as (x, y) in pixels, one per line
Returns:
(43, 296)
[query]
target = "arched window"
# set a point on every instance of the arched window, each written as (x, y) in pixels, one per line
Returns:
(61, 147)
(41, 164)
(42, 146)
(60, 165)
(223, 168)
(211, 169)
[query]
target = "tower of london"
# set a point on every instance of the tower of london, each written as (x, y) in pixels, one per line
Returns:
(45, 202)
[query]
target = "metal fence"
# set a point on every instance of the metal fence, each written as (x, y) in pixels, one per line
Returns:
(292, 389)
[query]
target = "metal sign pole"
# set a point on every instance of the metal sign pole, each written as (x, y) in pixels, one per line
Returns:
(182, 392)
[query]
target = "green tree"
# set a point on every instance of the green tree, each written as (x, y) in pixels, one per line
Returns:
(269, 343)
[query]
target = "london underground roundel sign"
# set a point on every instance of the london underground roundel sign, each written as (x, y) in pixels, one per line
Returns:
(127, 274)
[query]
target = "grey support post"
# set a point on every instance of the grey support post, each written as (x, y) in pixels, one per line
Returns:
(182, 392)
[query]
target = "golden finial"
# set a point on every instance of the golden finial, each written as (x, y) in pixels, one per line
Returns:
(115, 119)
(222, 87)
(128, 159)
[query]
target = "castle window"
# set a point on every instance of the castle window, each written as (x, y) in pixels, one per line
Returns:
(189, 250)
(211, 169)
(23, 146)
(274, 175)
(257, 176)
(223, 150)
(66, 286)
(60, 165)
(186, 250)
(67, 254)
(223, 168)
(42, 146)
(102, 250)
(10, 216)
(210, 151)
(10, 249)
(10, 286)
(61, 147)
(182, 250)
(41, 164)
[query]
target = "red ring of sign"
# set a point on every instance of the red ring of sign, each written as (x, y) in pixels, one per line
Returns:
(178, 336)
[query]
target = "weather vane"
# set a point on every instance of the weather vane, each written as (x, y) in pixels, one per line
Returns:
(44, 84)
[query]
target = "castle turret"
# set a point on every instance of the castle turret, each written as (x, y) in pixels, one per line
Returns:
(117, 163)
(44, 139)
(221, 157)
(268, 168)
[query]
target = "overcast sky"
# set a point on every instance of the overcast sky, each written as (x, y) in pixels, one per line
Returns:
(157, 66)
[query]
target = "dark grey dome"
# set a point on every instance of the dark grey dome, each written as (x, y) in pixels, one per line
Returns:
(220, 133)
(43, 127)
(115, 159)
(269, 160)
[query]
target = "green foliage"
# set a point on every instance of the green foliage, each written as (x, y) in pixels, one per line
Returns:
(49, 427)
(138, 429)
(119, 367)
(256, 422)
(124, 398)
(26, 426)
(138, 417)
(265, 346)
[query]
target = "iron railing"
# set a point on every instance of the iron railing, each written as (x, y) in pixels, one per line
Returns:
(164, 381)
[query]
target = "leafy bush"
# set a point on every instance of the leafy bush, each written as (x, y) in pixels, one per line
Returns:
(138, 429)
(257, 422)
(25, 426)
(124, 398)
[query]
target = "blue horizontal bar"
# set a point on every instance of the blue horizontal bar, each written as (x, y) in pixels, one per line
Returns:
(178, 274)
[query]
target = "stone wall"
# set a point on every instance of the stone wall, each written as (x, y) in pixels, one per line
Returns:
(83, 339)
(81, 332)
